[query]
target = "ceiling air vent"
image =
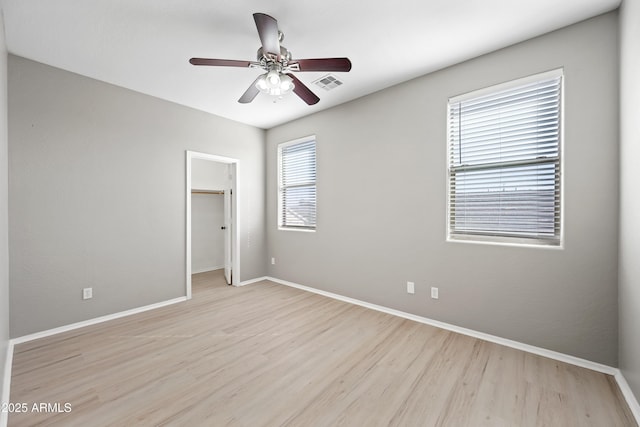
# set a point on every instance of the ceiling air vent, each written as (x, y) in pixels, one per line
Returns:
(328, 82)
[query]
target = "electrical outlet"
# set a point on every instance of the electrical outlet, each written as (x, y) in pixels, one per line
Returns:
(434, 292)
(411, 289)
(273, 261)
(87, 293)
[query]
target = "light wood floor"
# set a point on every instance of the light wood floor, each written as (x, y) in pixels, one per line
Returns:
(269, 355)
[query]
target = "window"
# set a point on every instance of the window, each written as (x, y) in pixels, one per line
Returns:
(297, 184)
(504, 162)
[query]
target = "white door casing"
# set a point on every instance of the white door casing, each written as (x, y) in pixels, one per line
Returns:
(234, 230)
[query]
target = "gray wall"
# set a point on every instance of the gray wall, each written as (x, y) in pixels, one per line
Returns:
(4, 212)
(629, 298)
(382, 204)
(209, 175)
(97, 195)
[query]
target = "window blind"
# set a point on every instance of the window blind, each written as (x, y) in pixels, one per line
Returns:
(298, 184)
(504, 162)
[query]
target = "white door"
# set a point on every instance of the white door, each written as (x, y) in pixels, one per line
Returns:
(227, 235)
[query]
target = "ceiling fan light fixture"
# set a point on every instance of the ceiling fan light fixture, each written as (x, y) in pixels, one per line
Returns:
(286, 83)
(261, 84)
(273, 78)
(274, 83)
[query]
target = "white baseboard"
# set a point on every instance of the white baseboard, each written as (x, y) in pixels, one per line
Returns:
(598, 367)
(94, 321)
(206, 269)
(6, 383)
(631, 399)
(470, 332)
(257, 279)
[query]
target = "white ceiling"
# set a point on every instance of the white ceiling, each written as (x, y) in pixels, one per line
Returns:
(144, 45)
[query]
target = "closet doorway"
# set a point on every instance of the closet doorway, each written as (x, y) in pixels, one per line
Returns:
(211, 211)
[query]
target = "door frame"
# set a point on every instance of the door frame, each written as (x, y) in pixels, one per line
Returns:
(235, 215)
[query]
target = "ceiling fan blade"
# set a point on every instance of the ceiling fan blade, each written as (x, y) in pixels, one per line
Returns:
(268, 32)
(220, 62)
(303, 91)
(323, 64)
(250, 94)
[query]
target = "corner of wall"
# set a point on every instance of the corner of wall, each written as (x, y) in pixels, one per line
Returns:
(5, 348)
(629, 231)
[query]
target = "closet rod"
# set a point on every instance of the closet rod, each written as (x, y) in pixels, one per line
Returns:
(195, 191)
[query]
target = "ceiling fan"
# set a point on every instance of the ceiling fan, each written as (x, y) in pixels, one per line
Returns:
(276, 60)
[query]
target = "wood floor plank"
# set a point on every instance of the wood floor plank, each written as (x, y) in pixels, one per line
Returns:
(270, 355)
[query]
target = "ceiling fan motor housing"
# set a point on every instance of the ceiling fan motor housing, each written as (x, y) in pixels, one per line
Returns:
(265, 59)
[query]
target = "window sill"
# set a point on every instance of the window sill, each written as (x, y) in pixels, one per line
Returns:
(505, 241)
(304, 230)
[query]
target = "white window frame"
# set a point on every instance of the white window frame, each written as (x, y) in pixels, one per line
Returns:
(556, 241)
(281, 146)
